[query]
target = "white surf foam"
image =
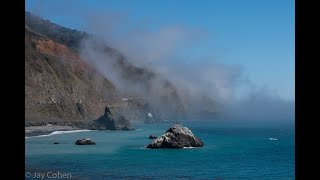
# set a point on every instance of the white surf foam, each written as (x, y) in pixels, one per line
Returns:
(61, 132)
(189, 147)
(273, 139)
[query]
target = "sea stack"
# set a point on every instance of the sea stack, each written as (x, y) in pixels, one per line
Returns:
(85, 141)
(112, 120)
(176, 137)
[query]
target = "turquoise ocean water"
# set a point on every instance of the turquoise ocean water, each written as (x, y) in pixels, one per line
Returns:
(231, 151)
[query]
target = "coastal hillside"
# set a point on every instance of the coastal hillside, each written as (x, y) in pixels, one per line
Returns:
(58, 83)
(61, 86)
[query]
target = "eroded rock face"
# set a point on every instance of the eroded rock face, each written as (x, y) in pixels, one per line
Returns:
(111, 120)
(176, 137)
(85, 141)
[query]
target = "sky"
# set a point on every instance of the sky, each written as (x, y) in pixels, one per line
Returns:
(257, 35)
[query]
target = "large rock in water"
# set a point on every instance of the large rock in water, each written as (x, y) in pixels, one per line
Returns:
(176, 137)
(111, 120)
(85, 141)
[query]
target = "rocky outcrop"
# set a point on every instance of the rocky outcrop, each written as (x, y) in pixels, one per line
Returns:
(112, 120)
(149, 118)
(176, 137)
(85, 141)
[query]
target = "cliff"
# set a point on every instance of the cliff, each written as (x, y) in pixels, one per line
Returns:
(60, 86)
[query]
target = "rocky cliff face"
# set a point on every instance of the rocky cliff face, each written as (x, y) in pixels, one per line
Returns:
(61, 87)
(113, 120)
(110, 120)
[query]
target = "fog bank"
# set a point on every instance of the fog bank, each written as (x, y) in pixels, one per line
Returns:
(203, 84)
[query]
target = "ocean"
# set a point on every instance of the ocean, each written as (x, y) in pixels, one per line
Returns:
(232, 150)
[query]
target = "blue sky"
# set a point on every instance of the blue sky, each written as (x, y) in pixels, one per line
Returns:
(256, 34)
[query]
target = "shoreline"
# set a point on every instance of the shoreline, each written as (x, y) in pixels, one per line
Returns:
(31, 131)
